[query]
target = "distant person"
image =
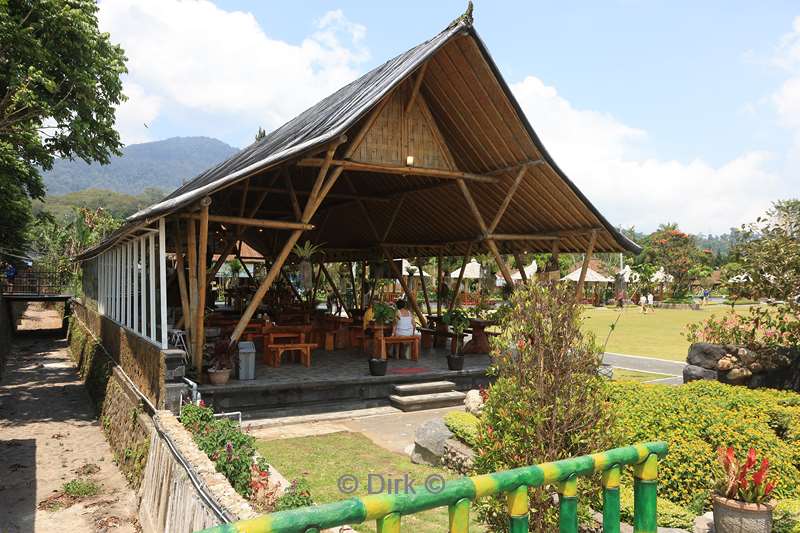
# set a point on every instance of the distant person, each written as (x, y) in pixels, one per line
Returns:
(403, 327)
(650, 301)
(643, 303)
(706, 294)
(620, 299)
(11, 274)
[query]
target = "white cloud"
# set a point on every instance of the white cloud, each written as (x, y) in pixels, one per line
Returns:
(600, 154)
(136, 113)
(194, 56)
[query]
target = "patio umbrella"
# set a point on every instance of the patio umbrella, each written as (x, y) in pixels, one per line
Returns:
(472, 271)
(592, 276)
(413, 269)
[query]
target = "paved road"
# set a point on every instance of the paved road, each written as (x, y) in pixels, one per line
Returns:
(647, 364)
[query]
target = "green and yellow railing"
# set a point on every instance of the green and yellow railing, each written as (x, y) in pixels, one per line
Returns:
(458, 494)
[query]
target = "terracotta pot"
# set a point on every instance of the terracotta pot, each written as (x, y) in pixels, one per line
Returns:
(734, 516)
(219, 377)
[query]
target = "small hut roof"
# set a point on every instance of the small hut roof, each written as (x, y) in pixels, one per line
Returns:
(484, 132)
(471, 271)
(591, 276)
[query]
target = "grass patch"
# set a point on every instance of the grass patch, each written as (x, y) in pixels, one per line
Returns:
(81, 488)
(655, 334)
(623, 374)
(323, 459)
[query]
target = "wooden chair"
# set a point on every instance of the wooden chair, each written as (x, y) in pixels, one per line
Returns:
(276, 351)
(401, 340)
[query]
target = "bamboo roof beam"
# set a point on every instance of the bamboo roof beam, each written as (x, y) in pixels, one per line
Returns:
(515, 166)
(393, 217)
(507, 199)
(417, 85)
(253, 222)
(332, 195)
(358, 166)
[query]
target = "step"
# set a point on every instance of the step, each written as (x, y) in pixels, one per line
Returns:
(427, 401)
(414, 389)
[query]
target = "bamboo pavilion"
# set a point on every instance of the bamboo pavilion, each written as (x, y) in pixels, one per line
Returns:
(427, 155)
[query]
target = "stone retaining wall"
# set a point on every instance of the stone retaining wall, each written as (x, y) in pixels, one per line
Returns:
(170, 501)
(142, 360)
(737, 365)
(120, 409)
(5, 334)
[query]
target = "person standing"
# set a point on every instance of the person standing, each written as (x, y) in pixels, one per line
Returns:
(650, 301)
(643, 303)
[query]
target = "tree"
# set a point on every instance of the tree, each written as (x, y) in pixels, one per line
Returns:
(676, 252)
(770, 253)
(59, 86)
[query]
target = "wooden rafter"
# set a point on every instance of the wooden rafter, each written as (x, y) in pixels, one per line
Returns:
(457, 289)
(507, 200)
(358, 166)
(397, 207)
(524, 164)
(364, 210)
(293, 196)
(254, 222)
(417, 84)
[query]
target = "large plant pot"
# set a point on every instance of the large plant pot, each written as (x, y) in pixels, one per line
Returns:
(219, 377)
(455, 362)
(377, 367)
(733, 516)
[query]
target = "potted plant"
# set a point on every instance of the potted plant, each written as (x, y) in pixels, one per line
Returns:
(742, 502)
(382, 315)
(458, 320)
(305, 254)
(222, 364)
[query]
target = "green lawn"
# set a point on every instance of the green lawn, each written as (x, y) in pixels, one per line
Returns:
(324, 459)
(622, 374)
(655, 334)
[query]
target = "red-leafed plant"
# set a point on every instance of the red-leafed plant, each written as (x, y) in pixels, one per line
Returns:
(744, 481)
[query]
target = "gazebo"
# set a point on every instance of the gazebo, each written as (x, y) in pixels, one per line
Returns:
(427, 155)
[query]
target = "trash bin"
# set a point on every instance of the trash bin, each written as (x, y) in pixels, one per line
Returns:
(247, 360)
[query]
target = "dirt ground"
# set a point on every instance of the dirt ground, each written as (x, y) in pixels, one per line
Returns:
(49, 435)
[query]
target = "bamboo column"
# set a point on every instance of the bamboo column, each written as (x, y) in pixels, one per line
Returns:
(185, 320)
(521, 267)
(439, 281)
(500, 262)
(335, 289)
(424, 288)
(191, 256)
(585, 266)
(457, 289)
(200, 325)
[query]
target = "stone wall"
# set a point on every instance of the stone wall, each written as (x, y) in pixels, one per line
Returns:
(142, 360)
(120, 409)
(5, 334)
(737, 365)
(170, 500)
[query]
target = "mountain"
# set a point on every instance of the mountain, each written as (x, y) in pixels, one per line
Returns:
(162, 164)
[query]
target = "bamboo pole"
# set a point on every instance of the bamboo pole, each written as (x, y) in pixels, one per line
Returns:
(358, 166)
(335, 289)
(254, 222)
(476, 213)
(293, 196)
(439, 280)
(500, 262)
(179, 266)
(507, 199)
(457, 289)
(417, 85)
(191, 256)
(408, 293)
(424, 288)
(363, 280)
(241, 261)
(200, 324)
(521, 267)
(353, 282)
(585, 266)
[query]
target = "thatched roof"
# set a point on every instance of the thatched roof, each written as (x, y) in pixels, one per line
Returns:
(464, 104)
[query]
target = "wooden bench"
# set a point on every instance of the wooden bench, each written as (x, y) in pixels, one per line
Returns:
(399, 340)
(276, 351)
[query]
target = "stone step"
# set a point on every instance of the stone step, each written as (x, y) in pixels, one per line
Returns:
(421, 402)
(414, 389)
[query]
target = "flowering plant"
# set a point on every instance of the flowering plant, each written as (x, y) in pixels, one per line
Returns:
(737, 483)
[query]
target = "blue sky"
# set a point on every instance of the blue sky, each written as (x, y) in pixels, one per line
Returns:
(659, 111)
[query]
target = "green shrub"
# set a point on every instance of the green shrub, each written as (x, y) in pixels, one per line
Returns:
(696, 419)
(221, 439)
(787, 517)
(81, 488)
(297, 495)
(548, 401)
(463, 425)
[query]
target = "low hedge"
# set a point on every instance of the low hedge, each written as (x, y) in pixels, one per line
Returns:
(787, 517)
(699, 417)
(669, 514)
(463, 425)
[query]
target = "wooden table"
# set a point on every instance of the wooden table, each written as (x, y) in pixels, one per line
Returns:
(480, 341)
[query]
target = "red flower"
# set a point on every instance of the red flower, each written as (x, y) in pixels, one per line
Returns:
(768, 489)
(758, 477)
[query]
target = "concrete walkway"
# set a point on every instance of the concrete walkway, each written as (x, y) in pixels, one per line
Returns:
(648, 364)
(49, 435)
